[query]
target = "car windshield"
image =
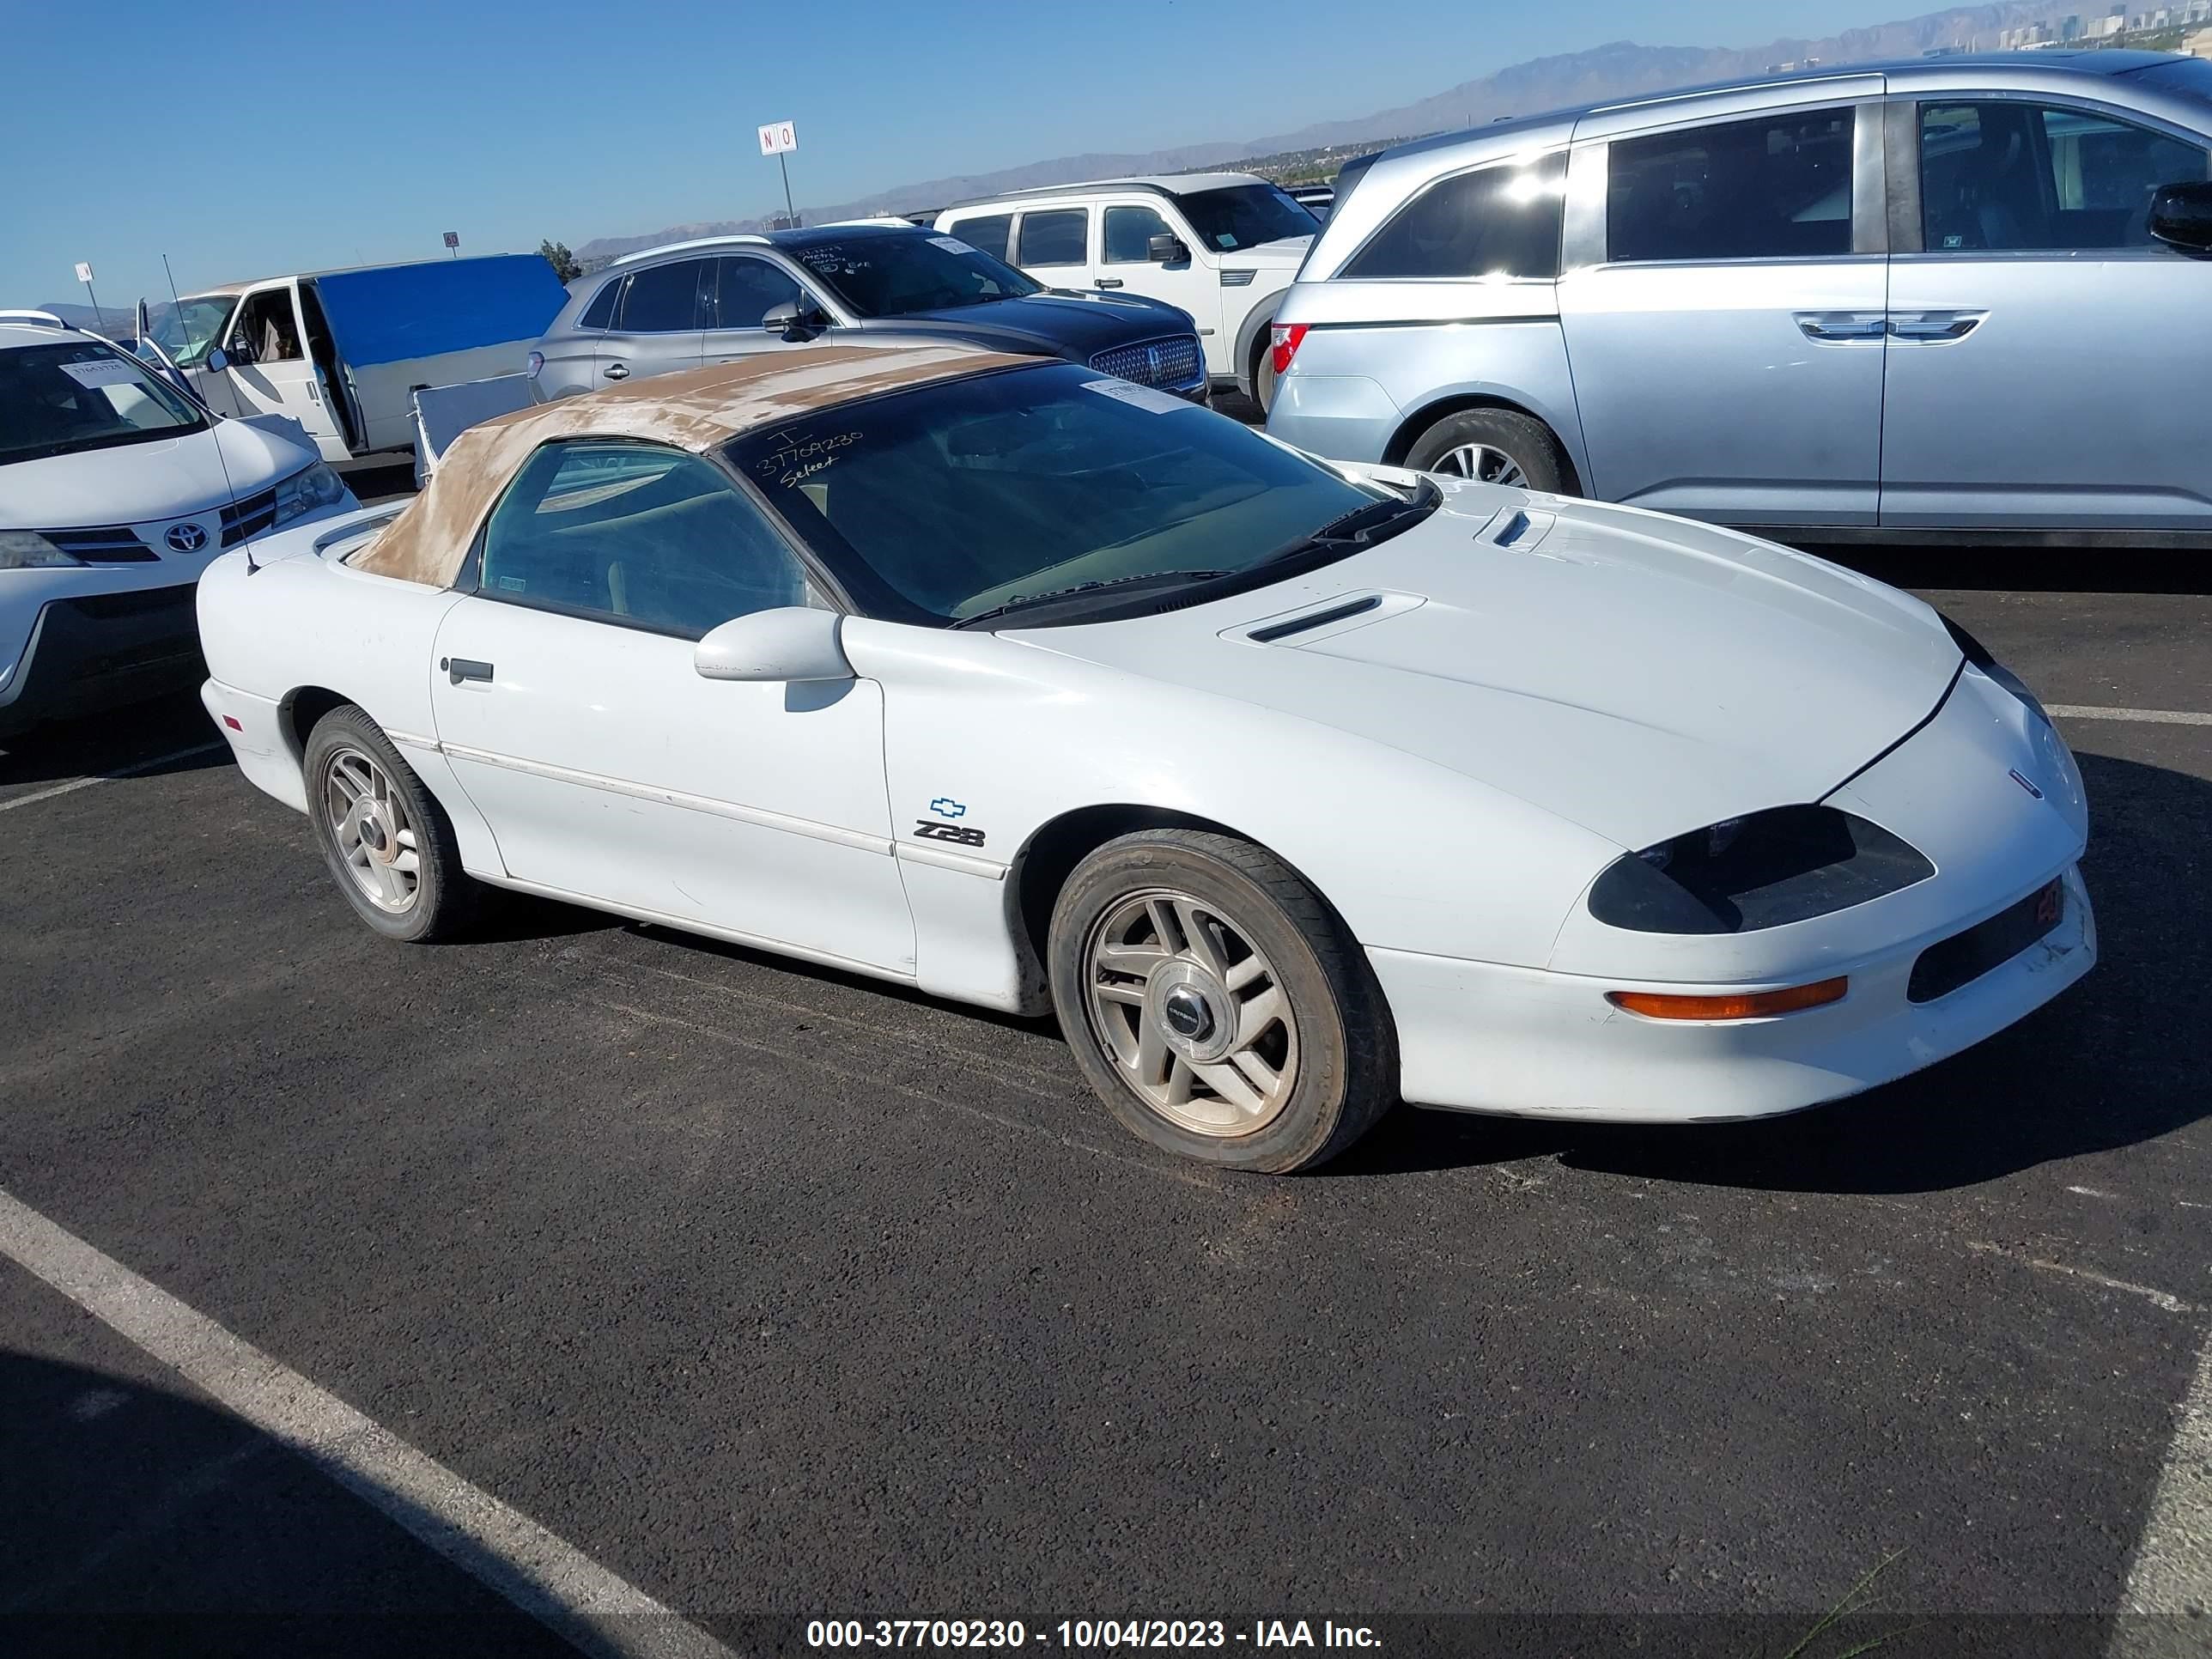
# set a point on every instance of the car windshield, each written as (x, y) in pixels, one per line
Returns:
(2190, 77)
(74, 395)
(1245, 216)
(188, 330)
(954, 500)
(893, 275)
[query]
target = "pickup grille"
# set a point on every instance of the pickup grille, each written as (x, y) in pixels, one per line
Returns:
(1171, 361)
(248, 517)
(109, 545)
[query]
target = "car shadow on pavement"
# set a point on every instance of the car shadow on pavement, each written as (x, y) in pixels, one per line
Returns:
(2119, 1058)
(139, 1521)
(2074, 569)
(114, 740)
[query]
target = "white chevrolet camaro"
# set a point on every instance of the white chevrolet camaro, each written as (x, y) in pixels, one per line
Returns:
(1294, 788)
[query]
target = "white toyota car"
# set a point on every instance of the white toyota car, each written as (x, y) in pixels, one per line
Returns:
(1295, 789)
(116, 491)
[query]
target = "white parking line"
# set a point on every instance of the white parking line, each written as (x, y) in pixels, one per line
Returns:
(2168, 1604)
(130, 771)
(555, 1582)
(2078, 711)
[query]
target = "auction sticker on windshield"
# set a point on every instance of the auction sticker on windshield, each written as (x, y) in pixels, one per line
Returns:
(102, 371)
(1138, 396)
(950, 243)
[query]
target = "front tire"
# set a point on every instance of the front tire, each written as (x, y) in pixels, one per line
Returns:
(388, 843)
(1219, 1007)
(1263, 376)
(1492, 446)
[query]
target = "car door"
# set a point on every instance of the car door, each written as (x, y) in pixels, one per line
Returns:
(567, 704)
(2047, 359)
(1723, 306)
(745, 287)
(1052, 245)
(271, 370)
(658, 324)
(1124, 261)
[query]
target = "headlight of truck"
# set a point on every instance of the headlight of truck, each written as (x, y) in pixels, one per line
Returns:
(1786, 864)
(303, 492)
(26, 550)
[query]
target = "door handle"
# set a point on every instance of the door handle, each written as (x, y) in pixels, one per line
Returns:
(1936, 326)
(616, 371)
(466, 668)
(1829, 326)
(1109, 282)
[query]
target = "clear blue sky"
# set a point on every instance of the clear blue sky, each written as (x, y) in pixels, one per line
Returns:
(243, 141)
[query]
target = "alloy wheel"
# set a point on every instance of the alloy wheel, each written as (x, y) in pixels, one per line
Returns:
(376, 839)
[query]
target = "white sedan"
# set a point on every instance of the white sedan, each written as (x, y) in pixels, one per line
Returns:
(1294, 789)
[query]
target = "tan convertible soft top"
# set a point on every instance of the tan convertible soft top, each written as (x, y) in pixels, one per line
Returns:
(430, 541)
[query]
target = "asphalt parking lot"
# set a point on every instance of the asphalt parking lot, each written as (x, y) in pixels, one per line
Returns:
(778, 1295)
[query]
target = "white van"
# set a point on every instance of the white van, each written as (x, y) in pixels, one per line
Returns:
(342, 352)
(1222, 246)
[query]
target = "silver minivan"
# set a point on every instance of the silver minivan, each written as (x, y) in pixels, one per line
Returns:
(1963, 294)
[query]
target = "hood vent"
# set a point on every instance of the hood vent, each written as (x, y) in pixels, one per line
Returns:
(1313, 619)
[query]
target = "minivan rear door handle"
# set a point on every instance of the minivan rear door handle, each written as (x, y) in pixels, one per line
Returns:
(1934, 326)
(1831, 326)
(616, 371)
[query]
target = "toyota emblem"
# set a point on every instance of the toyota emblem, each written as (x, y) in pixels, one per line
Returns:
(186, 538)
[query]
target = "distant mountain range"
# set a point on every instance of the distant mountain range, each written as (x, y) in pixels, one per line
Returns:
(1621, 69)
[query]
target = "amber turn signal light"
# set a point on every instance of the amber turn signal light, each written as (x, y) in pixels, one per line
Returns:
(1756, 1005)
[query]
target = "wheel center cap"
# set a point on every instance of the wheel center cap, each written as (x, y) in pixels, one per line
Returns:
(1186, 1013)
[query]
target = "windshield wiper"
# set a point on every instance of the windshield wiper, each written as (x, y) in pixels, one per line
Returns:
(1024, 601)
(1363, 525)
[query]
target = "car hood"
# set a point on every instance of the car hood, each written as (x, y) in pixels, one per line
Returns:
(132, 483)
(1285, 255)
(1070, 324)
(1636, 675)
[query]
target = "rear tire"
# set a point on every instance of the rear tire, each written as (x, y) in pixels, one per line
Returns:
(1492, 446)
(1263, 375)
(389, 845)
(1219, 1007)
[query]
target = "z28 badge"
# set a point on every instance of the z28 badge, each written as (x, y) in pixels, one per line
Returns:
(959, 834)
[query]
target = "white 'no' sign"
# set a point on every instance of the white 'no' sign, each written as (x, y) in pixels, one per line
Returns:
(778, 137)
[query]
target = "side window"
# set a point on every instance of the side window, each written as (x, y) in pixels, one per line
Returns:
(2009, 176)
(1496, 221)
(1129, 233)
(1776, 187)
(663, 298)
(988, 232)
(266, 323)
(635, 534)
(750, 289)
(1060, 237)
(600, 313)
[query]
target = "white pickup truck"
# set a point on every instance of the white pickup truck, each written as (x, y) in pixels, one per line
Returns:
(342, 352)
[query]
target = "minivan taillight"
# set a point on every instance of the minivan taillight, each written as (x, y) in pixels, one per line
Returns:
(1284, 339)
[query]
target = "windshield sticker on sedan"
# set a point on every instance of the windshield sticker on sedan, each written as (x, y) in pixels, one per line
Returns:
(796, 458)
(950, 243)
(1138, 396)
(100, 371)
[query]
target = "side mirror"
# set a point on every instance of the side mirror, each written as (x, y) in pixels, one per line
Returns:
(2181, 215)
(794, 320)
(792, 643)
(1166, 249)
(217, 361)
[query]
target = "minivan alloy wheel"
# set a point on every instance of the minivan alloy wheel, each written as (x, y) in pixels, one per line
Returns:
(1480, 462)
(1192, 1013)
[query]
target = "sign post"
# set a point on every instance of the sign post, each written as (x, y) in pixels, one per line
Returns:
(84, 276)
(779, 139)
(454, 243)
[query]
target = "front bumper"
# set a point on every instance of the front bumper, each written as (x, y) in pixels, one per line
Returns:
(1478, 1038)
(97, 651)
(1985, 791)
